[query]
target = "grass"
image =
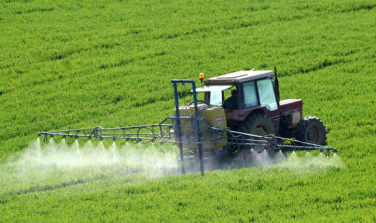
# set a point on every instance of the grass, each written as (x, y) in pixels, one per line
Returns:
(78, 64)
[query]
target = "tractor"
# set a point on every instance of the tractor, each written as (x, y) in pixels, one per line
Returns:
(258, 110)
(207, 129)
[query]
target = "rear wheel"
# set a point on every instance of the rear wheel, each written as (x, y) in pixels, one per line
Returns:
(258, 124)
(311, 130)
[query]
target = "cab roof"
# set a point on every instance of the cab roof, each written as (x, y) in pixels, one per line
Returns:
(239, 77)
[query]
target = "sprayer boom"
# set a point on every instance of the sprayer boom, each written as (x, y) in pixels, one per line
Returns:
(166, 133)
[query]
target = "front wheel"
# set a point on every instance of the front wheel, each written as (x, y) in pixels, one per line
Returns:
(311, 130)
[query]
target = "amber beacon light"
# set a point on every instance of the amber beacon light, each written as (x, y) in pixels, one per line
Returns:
(201, 76)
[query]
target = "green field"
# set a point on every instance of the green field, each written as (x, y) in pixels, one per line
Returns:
(79, 64)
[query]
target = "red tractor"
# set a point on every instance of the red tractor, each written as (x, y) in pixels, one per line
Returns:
(255, 108)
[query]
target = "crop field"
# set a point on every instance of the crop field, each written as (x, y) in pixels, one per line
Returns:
(80, 64)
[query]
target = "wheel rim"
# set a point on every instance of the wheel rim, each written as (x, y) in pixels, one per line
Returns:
(261, 131)
(312, 135)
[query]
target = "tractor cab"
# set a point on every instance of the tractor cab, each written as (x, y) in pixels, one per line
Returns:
(255, 90)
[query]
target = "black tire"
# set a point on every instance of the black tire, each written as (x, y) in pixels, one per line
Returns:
(311, 130)
(258, 124)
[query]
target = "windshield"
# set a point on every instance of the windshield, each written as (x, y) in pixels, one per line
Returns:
(250, 95)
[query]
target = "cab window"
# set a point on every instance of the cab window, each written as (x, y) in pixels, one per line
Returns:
(266, 94)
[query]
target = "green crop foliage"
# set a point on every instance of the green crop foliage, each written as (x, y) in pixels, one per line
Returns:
(80, 64)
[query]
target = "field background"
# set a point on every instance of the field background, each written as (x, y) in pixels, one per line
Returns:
(78, 64)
